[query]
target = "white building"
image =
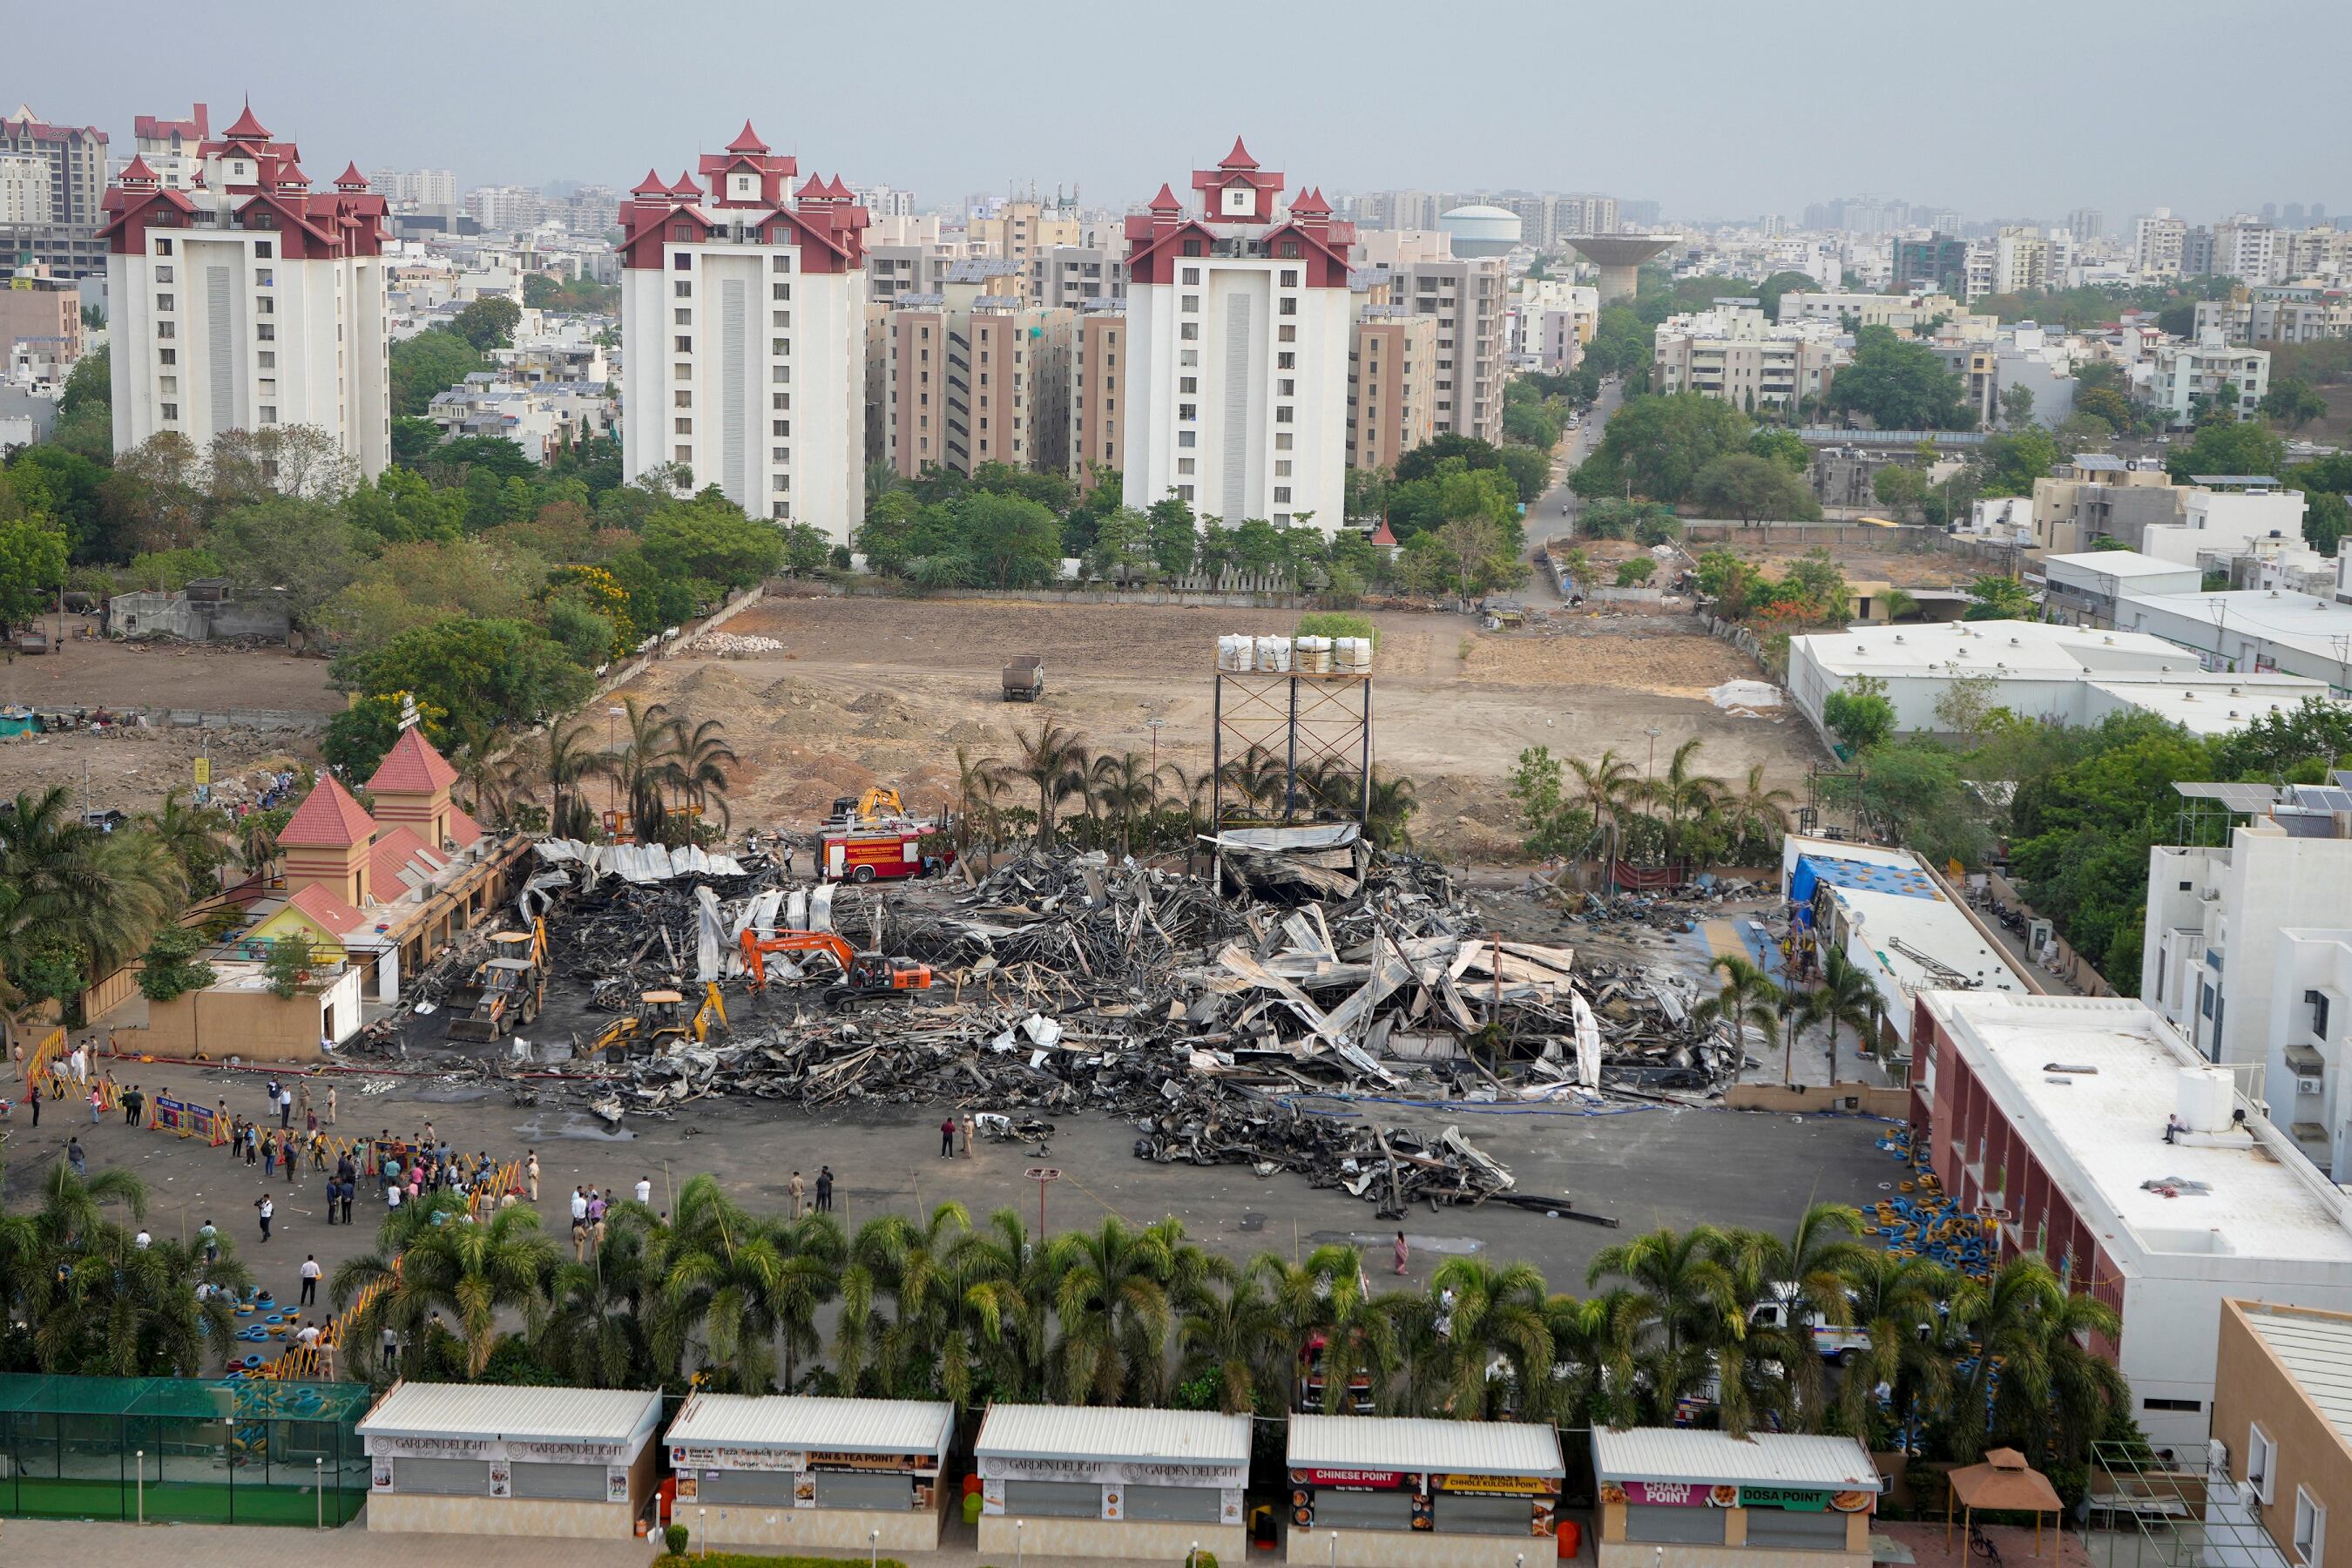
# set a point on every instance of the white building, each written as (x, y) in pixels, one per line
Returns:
(1903, 312)
(171, 146)
(1895, 921)
(2247, 951)
(2051, 1112)
(249, 301)
(24, 189)
(2182, 374)
(2251, 631)
(2083, 588)
(1237, 320)
(744, 311)
(2157, 240)
(2226, 515)
(1733, 354)
(2071, 675)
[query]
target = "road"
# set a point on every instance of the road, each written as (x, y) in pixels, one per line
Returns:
(1547, 519)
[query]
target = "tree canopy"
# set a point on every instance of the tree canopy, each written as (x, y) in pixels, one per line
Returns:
(1900, 384)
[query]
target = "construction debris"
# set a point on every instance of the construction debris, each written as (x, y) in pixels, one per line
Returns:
(733, 645)
(1249, 1027)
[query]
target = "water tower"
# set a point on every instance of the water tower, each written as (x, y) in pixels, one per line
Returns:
(1620, 259)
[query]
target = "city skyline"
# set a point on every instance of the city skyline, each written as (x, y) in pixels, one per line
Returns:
(428, 105)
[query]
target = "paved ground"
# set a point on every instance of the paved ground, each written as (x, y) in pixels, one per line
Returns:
(1644, 1167)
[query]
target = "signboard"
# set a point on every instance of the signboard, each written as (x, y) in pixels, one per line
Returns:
(501, 1479)
(1111, 1472)
(1229, 1505)
(616, 1483)
(1498, 1485)
(495, 1450)
(203, 770)
(712, 1456)
(380, 1474)
(690, 1486)
(1355, 1481)
(1788, 1499)
(1691, 1494)
(1111, 1506)
(829, 1459)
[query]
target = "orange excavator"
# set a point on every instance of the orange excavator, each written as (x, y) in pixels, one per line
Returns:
(863, 975)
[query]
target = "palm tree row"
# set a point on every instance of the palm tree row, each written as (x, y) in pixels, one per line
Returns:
(1124, 802)
(1682, 816)
(940, 1306)
(671, 770)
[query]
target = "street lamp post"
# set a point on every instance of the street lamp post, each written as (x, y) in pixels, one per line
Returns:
(612, 712)
(1651, 770)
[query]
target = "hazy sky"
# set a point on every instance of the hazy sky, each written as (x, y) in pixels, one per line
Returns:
(1715, 108)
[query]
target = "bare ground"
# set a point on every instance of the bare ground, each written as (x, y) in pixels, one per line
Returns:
(887, 690)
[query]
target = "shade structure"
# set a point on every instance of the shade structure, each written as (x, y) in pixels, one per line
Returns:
(2004, 1483)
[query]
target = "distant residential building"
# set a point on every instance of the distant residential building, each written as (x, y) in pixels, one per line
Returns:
(2304, 314)
(1939, 262)
(979, 375)
(2023, 261)
(40, 325)
(543, 417)
(249, 301)
(882, 201)
(1731, 354)
(2099, 496)
(1238, 348)
(1018, 231)
(1067, 276)
(169, 146)
(1551, 321)
(2156, 243)
(65, 238)
(1903, 312)
(743, 313)
(1470, 298)
(2183, 376)
(430, 188)
(915, 268)
(24, 191)
(1097, 442)
(2324, 251)
(2086, 224)
(1391, 384)
(2247, 249)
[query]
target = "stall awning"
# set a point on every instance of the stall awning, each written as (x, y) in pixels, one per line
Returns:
(1399, 1442)
(473, 1410)
(832, 1425)
(1093, 1433)
(1676, 1454)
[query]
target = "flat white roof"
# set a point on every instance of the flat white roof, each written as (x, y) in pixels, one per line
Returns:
(2214, 704)
(1933, 927)
(2122, 563)
(2316, 1348)
(1081, 1433)
(795, 1421)
(2102, 1132)
(477, 1410)
(1412, 1443)
(1682, 1454)
(2012, 650)
(2298, 620)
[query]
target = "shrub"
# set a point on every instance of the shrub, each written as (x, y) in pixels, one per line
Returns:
(677, 1537)
(1337, 624)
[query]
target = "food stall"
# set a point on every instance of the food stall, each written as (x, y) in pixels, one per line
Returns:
(484, 1459)
(1085, 1482)
(1672, 1496)
(1392, 1492)
(791, 1471)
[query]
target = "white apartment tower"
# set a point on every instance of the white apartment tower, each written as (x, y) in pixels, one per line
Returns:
(1237, 321)
(743, 306)
(248, 299)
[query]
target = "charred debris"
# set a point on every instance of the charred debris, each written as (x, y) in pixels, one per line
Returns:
(1280, 1011)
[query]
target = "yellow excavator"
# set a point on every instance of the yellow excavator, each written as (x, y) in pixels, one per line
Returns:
(876, 806)
(506, 991)
(661, 1023)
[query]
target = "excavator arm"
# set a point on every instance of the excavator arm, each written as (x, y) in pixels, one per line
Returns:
(756, 947)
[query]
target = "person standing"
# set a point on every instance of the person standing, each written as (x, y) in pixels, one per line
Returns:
(1403, 1253)
(947, 1138)
(966, 1131)
(331, 1105)
(285, 1109)
(824, 1189)
(96, 1104)
(209, 1237)
(350, 1192)
(35, 1097)
(310, 1272)
(268, 1212)
(392, 1198)
(795, 1187)
(74, 1156)
(645, 1192)
(530, 1170)
(131, 1106)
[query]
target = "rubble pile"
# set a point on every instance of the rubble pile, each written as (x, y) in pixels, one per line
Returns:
(1248, 1027)
(733, 645)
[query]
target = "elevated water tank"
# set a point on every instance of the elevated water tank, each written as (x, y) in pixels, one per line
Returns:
(2205, 1099)
(1478, 230)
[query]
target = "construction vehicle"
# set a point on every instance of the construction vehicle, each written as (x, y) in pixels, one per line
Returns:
(506, 990)
(876, 806)
(660, 1021)
(863, 975)
(1025, 679)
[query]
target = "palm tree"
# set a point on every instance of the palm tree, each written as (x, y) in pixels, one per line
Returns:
(1229, 1330)
(1007, 1304)
(1895, 1304)
(1418, 1353)
(1114, 1290)
(904, 1262)
(570, 757)
(1391, 807)
(642, 766)
(480, 774)
(1803, 1274)
(1498, 1313)
(1053, 757)
(1123, 786)
(699, 759)
(88, 898)
(1845, 997)
(1604, 789)
(195, 837)
(1324, 1294)
(978, 784)
(1259, 777)
(477, 1271)
(1898, 604)
(1759, 812)
(1748, 1000)
(1686, 1305)
(1682, 793)
(1595, 1340)
(2055, 1392)
(720, 1299)
(593, 1335)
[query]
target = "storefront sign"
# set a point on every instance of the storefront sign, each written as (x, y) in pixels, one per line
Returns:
(1109, 1472)
(520, 1450)
(1499, 1486)
(380, 1474)
(1669, 1494)
(711, 1456)
(1787, 1499)
(431, 1448)
(690, 1486)
(1356, 1481)
(1229, 1505)
(501, 1479)
(532, 1453)
(904, 1464)
(616, 1483)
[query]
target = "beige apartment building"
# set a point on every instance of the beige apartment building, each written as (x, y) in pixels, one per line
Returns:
(977, 374)
(40, 320)
(2281, 1459)
(2098, 495)
(1733, 354)
(1069, 276)
(1471, 303)
(1391, 384)
(1097, 442)
(1018, 231)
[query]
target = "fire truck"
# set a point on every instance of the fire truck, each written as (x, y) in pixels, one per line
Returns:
(874, 838)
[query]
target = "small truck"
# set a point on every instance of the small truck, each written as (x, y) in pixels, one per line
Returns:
(1025, 679)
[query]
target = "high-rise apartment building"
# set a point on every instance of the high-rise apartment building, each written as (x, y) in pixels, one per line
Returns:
(2156, 244)
(2086, 224)
(249, 301)
(2021, 260)
(24, 191)
(882, 201)
(1097, 441)
(743, 304)
(1069, 275)
(1018, 231)
(1237, 349)
(1392, 383)
(420, 187)
(66, 238)
(1938, 261)
(2247, 249)
(169, 146)
(977, 374)
(1472, 303)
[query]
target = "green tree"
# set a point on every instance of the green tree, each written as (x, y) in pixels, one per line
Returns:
(299, 549)
(1660, 446)
(1634, 573)
(1998, 598)
(709, 539)
(1750, 487)
(1785, 447)
(1860, 716)
(2246, 448)
(1900, 384)
(1114, 1288)
(32, 568)
(288, 963)
(1013, 542)
(2292, 403)
(493, 673)
(488, 322)
(2055, 1393)
(427, 364)
(1746, 1001)
(1900, 488)
(1053, 758)
(89, 385)
(2016, 407)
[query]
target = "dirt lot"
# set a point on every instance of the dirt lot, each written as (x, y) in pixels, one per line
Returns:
(886, 690)
(1905, 558)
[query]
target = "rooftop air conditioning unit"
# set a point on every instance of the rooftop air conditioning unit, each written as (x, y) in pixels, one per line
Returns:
(2308, 1085)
